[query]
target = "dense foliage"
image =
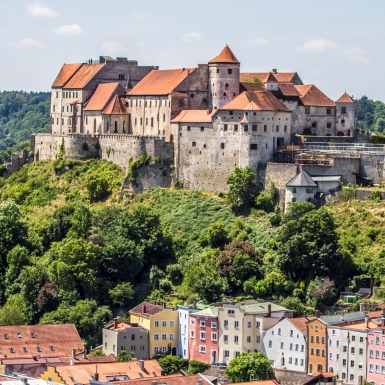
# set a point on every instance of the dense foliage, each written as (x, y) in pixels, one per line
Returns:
(21, 114)
(370, 115)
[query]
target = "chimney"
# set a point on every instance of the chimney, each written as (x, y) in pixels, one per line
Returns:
(304, 314)
(115, 323)
(317, 313)
(162, 373)
(274, 71)
(154, 302)
(383, 312)
(73, 353)
(141, 365)
(96, 376)
(164, 305)
(187, 72)
(269, 310)
(144, 310)
(383, 322)
(342, 317)
(366, 321)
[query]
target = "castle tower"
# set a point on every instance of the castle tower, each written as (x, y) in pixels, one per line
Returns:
(346, 116)
(224, 78)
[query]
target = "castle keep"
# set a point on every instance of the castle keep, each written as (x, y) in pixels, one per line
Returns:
(201, 122)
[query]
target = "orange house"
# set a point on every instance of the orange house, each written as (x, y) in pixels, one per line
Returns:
(316, 346)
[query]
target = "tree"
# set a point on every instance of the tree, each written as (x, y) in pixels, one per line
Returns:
(197, 367)
(248, 365)
(124, 357)
(172, 364)
(320, 291)
(296, 210)
(14, 312)
(122, 294)
(294, 304)
(241, 187)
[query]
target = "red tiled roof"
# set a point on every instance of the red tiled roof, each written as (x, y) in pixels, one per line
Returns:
(151, 309)
(174, 379)
(345, 98)
(281, 77)
(271, 79)
(101, 97)
(226, 56)
(83, 373)
(254, 100)
(116, 106)
(193, 116)
(32, 361)
(288, 89)
(160, 82)
(65, 74)
(62, 338)
(251, 86)
(83, 75)
(312, 96)
(300, 323)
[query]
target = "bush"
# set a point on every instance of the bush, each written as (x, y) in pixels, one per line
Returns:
(172, 364)
(197, 367)
(376, 195)
(275, 219)
(178, 185)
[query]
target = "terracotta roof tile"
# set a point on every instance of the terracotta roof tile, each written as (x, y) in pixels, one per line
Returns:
(83, 75)
(345, 98)
(281, 77)
(288, 89)
(62, 338)
(193, 116)
(65, 74)
(150, 309)
(174, 379)
(312, 96)
(83, 373)
(101, 97)
(160, 82)
(271, 79)
(254, 100)
(226, 56)
(251, 86)
(300, 323)
(116, 106)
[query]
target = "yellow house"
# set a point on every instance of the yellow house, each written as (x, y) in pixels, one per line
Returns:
(162, 325)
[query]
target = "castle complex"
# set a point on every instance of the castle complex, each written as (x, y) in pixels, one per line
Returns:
(200, 122)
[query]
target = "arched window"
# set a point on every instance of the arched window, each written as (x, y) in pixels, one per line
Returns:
(344, 376)
(351, 377)
(319, 367)
(171, 138)
(340, 133)
(107, 126)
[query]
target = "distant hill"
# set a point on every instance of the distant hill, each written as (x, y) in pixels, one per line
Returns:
(21, 114)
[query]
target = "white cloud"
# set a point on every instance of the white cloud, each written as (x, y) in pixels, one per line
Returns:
(40, 10)
(257, 41)
(26, 43)
(111, 47)
(191, 36)
(318, 45)
(69, 29)
(355, 54)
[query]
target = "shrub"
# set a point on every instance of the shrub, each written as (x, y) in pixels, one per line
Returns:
(197, 367)
(178, 185)
(376, 195)
(275, 219)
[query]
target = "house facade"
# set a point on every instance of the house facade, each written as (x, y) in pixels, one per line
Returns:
(375, 373)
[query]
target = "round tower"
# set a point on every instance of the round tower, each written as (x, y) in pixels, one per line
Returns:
(224, 78)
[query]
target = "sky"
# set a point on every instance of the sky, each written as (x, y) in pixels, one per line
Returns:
(338, 45)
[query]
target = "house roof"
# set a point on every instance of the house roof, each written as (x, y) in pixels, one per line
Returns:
(211, 311)
(194, 116)
(262, 308)
(84, 75)
(281, 77)
(121, 326)
(116, 106)
(174, 379)
(345, 98)
(310, 95)
(271, 78)
(42, 340)
(302, 179)
(101, 97)
(226, 56)
(288, 89)
(347, 317)
(361, 326)
(160, 82)
(82, 374)
(251, 86)
(65, 74)
(300, 323)
(31, 361)
(259, 382)
(330, 178)
(147, 308)
(257, 101)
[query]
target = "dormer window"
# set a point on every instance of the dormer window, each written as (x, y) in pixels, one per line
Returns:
(6, 336)
(33, 335)
(19, 335)
(12, 350)
(52, 348)
(38, 348)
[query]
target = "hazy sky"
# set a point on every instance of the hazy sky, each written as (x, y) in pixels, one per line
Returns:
(334, 44)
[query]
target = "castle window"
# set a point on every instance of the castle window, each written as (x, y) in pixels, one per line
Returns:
(229, 71)
(150, 103)
(224, 94)
(343, 110)
(164, 117)
(328, 111)
(225, 127)
(314, 124)
(246, 128)
(342, 121)
(234, 94)
(265, 128)
(307, 110)
(76, 94)
(222, 146)
(188, 128)
(180, 103)
(204, 146)
(329, 125)
(231, 112)
(217, 72)
(53, 108)
(141, 121)
(293, 199)
(193, 144)
(235, 127)
(253, 146)
(192, 96)
(57, 94)
(204, 101)
(202, 129)
(121, 77)
(116, 127)
(136, 121)
(86, 119)
(254, 127)
(57, 120)
(152, 122)
(285, 128)
(226, 85)
(277, 128)
(146, 121)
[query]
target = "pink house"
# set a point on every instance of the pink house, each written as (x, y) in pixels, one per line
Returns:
(376, 355)
(203, 335)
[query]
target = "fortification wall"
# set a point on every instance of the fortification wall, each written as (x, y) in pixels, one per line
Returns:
(288, 377)
(372, 166)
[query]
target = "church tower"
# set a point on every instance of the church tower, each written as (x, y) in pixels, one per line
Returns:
(224, 78)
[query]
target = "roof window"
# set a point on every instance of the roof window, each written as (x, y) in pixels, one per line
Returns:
(38, 348)
(6, 336)
(33, 335)
(12, 350)
(19, 335)
(52, 348)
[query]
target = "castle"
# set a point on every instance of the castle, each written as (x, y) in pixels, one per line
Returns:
(199, 122)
